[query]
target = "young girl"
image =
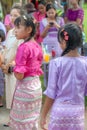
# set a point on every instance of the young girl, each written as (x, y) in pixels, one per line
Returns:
(26, 105)
(67, 84)
(74, 14)
(39, 16)
(49, 27)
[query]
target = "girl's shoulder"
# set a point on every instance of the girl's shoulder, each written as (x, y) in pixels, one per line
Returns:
(59, 19)
(56, 61)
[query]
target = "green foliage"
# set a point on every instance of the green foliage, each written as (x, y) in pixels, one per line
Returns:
(43, 87)
(85, 19)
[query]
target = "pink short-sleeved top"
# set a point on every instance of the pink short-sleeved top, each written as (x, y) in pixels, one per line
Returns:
(29, 59)
(38, 16)
(7, 21)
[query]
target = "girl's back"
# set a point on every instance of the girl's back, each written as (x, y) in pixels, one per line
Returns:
(70, 84)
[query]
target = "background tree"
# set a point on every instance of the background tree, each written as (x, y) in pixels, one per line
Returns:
(6, 5)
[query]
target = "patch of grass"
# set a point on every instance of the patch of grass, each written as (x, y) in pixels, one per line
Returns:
(85, 19)
(43, 87)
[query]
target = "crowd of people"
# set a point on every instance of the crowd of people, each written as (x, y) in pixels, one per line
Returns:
(23, 34)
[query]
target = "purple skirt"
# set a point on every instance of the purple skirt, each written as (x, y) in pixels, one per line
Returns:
(1, 83)
(67, 117)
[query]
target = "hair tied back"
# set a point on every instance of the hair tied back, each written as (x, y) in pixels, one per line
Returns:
(66, 36)
(24, 17)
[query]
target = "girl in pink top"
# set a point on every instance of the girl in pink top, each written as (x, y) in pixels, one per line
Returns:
(9, 25)
(26, 104)
(39, 16)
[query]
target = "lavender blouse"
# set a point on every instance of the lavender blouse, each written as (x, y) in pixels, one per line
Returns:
(29, 59)
(73, 15)
(67, 80)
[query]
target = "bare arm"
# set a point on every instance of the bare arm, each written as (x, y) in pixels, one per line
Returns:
(47, 105)
(45, 31)
(78, 20)
(19, 76)
(0, 60)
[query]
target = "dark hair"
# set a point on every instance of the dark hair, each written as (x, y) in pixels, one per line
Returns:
(2, 35)
(72, 34)
(29, 7)
(19, 8)
(26, 21)
(42, 2)
(50, 6)
(78, 1)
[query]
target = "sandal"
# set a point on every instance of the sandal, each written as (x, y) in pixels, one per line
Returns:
(6, 125)
(1, 105)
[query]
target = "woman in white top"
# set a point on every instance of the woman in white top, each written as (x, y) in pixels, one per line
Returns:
(9, 55)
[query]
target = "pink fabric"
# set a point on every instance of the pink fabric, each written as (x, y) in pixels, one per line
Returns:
(7, 21)
(29, 59)
(38, 16)
(25, 111)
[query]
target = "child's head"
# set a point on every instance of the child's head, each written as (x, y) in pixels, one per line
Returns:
(51, 11)
(24, 27)
(70, 37)
(29, 8)
(42, 7)
(15, 12)
(2, 35)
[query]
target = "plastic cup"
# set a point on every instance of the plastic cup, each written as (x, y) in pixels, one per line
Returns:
(46, 57)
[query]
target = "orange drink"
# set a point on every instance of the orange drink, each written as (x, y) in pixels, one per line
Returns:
(46, 57)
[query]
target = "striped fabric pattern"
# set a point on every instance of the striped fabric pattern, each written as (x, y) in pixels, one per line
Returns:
(26, 104)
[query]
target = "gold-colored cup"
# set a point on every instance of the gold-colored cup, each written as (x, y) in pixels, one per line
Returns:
(47, 57)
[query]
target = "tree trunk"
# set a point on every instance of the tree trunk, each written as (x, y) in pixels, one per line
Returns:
(6, 6)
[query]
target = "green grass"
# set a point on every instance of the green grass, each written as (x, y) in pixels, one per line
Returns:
(85, 30)
(85, 19)
(43, 87)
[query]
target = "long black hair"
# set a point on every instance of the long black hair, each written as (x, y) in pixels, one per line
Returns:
(72, 34)
(26, 21)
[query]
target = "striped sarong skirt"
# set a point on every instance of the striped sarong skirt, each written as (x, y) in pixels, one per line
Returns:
(67, 117)
(26, 104)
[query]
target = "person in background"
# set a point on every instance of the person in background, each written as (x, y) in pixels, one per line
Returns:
(30, 9)
(2, 27)
(26, 105)
(9, 55)
(67, 84)
(35, 2)
(2, 38)
(49, 27)
(75, 13)
(39, 16)
(7, 20)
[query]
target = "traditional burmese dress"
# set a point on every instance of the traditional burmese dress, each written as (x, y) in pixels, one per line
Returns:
(39, 17)
(51, 40)
(73, 15)
(10, 52)
(7, 21)
(26, 105)
(67, 85)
